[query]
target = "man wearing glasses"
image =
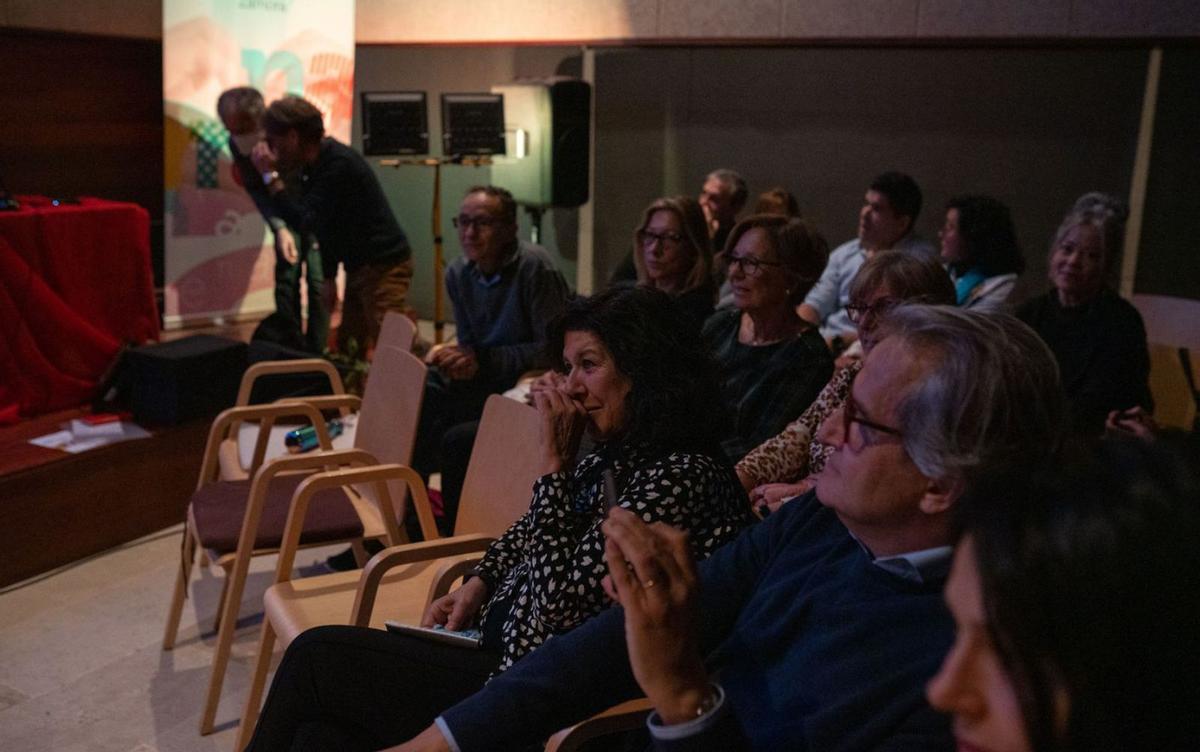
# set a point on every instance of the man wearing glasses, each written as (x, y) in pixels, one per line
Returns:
(818, 628)
(504, 292)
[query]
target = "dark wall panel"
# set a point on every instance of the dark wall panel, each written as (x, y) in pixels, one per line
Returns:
(83, 116)
(1035, 128)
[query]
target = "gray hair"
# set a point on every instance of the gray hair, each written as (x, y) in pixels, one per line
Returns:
(736, 183)
(1104, 212)
(990, 395)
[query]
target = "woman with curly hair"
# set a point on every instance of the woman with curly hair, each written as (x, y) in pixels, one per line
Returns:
(637, 380)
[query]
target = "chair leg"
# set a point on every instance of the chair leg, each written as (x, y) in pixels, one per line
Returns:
(187, 557)
(360, 553)
(221, 599)
(235, 583)
(266, 644)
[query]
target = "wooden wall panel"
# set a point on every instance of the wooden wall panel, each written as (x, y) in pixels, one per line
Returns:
(82, 115)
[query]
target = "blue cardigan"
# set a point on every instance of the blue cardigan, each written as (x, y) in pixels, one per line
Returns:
(814, 645)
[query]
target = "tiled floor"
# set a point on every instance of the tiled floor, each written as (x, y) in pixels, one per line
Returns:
(81, 661)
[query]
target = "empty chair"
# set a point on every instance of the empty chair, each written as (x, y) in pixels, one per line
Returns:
(403, 580)
(233, 520)
(236, 453)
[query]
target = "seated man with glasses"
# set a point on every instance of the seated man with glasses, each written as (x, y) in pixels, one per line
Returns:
(818, 628)
(504, 292)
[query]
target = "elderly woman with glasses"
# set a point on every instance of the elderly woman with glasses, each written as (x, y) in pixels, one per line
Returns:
(786, 465)
(772, 362)
(672, 253)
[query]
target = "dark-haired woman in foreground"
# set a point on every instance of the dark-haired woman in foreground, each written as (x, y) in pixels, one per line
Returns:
(638, 381)
(1075, 595)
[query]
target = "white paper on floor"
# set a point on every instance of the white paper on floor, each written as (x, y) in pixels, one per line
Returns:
(78, 436)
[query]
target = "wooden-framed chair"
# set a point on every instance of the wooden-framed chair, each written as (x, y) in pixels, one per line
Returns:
(624, 717)
(231, 521)
(397, 331)
(1174, 358)
(402, 580)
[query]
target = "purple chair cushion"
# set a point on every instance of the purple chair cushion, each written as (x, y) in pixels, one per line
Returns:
(219, 508)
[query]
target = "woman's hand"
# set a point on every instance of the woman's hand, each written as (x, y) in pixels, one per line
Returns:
(458, 609)
(654, 579)
(563, 421)
(1132, 422)
(549, 380)
(773, 495)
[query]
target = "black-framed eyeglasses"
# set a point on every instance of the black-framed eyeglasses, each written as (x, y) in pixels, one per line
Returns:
(850, 415)
(648, 238)
(464, 222)
(858, 312)
(751, 266)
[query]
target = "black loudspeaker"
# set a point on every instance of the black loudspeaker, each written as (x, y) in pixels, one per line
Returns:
(547, 124)
(193, 377)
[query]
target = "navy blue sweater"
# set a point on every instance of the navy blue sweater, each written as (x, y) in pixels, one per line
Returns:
(815, 646)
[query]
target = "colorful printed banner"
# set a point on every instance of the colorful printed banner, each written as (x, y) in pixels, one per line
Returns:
(219, 259)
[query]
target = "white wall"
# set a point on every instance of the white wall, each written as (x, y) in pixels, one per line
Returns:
(439, 21)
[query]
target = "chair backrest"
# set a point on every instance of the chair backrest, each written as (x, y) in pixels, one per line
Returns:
(391, 408)
(1170, 321)
(1174, 401)
(397, 330)
(504, 464)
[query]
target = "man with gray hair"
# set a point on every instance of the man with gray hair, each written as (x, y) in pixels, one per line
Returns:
(722, 196)
(818, 628)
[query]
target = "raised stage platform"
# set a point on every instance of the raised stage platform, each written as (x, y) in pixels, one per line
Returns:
(57, 507)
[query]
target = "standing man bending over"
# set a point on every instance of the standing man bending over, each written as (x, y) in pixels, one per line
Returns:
(241, 111)
(342, 203)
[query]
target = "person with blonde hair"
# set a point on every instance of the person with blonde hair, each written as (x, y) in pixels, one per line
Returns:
(672, 252)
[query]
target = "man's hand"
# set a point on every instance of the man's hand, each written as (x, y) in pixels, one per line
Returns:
(285, 246)
(654, 578)
(459, 608)
(263, 157)
(457, 362)
(563, 421)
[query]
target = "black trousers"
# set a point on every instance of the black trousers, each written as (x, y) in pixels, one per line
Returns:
(351, 688)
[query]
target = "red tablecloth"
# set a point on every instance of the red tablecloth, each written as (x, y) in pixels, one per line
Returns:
(75, 283)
